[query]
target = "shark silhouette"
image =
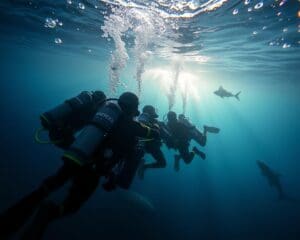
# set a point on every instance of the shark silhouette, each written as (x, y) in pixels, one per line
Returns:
(221, 92)
(272, 177)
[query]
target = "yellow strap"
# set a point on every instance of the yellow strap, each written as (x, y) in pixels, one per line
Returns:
(146, 139)
(148, 130)
(73, 158)
(40, 141)
(45, 118)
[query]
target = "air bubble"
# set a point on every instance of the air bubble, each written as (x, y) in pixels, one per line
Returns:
(259, 5)
(235, 11)
(282, 3)
(58, 41)
(50, 23)
(81, 6)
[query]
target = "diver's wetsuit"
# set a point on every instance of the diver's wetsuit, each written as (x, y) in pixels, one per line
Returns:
(157, 154)
(154, 148)
(181, 135)
(195, 134)
(121, 141)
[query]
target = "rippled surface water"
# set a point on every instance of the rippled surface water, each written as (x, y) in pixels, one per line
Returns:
(240, 35)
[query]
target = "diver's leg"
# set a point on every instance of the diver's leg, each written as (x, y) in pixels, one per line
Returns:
(185, 154)
(159, 157)
(83, 186)
(200, 138)
(199, 153)
(160, 161)
(16, 216)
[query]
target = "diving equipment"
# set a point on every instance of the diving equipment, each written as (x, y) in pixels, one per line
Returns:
(92, 135)
(67, 118)
(63, 114)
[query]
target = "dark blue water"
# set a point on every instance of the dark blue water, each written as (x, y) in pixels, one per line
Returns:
(117, 45)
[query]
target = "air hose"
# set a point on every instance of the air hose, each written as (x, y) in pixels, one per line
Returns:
(40, 141)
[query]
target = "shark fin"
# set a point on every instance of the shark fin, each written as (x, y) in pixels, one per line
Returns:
(237, 95)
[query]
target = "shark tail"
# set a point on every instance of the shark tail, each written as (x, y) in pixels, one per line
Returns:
(237, 95)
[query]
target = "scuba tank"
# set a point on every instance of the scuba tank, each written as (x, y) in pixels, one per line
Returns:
(182, 119)
(165, 134)
(195, 134)
(93, 134)
(67, 118)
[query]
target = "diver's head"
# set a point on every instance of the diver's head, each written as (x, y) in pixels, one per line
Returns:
(99, 96)
(150, 110)
(129, 103)
(181, 116)
(171, 116)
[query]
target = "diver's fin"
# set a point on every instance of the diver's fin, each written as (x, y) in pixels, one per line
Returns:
(237, 95)
(212, 129)
(201, 154)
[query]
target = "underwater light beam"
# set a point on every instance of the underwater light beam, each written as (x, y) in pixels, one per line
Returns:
(173, 88)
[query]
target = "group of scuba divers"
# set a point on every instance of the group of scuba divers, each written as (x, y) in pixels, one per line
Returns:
(101, 137)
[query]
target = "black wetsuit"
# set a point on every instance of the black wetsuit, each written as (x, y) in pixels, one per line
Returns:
(181, 139)
(121, 142)
(154, 149)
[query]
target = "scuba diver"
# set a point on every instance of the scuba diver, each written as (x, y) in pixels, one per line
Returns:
(195, 133)
(106, 141)
(181, 140)
(152, 147)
